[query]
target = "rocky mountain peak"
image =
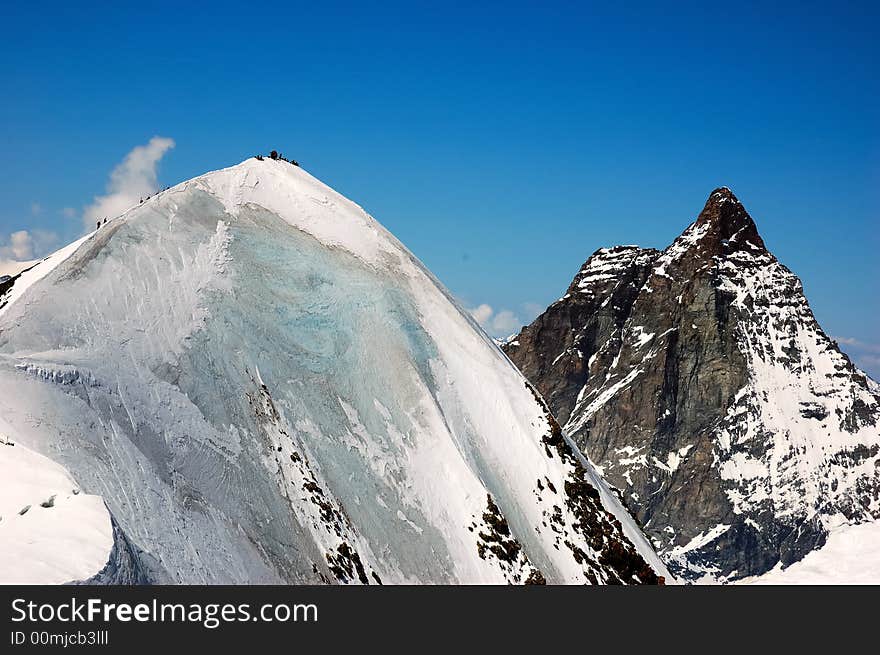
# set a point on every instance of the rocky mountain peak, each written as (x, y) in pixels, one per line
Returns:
(727, 224)
(722, 194)
(700, 383)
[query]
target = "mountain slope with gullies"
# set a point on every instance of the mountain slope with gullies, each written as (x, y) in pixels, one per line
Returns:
(263, 385)
(699, 382)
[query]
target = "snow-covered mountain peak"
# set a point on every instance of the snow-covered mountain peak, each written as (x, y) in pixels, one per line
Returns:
(302, 200)
(723, 232)
(264, 385)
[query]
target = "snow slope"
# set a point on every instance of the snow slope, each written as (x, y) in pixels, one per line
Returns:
(29, 273)
(50, 532)
(264, 385)
(14, 268)
(850, 556)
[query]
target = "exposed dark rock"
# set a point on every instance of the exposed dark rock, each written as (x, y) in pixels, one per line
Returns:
(315, 507)
(496, 538)
(6, 284)
(345, 563)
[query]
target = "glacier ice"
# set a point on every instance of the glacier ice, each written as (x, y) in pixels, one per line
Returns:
(265, 386)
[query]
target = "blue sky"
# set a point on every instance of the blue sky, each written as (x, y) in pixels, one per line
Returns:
(502, 143)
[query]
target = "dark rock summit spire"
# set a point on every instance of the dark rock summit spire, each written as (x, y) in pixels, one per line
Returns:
(728, 221)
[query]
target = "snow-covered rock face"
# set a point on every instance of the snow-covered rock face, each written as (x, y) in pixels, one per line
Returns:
(265, 386)
(699, 381)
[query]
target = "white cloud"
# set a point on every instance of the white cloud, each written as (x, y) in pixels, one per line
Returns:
(505, 323)
(24, 245)
(131, 180)
(482, 314)
(496, 324)
(20, 247)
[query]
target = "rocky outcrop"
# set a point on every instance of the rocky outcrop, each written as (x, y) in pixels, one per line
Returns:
(551, 351)
(698, 380)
